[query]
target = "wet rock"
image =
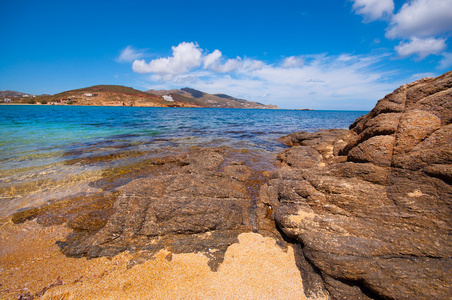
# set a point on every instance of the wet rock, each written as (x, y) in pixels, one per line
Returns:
(194, 202)
(373, 217)
(85, 213)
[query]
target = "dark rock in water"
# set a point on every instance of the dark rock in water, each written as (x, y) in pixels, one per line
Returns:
(194, 202)
(371, 207)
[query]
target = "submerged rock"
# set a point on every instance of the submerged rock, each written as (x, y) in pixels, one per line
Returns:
(371, 207)
(198, 201)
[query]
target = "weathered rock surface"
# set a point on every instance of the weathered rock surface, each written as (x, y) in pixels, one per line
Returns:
(199, 201)
(371, 207)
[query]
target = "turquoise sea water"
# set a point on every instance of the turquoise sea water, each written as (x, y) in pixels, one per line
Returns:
(43, 142)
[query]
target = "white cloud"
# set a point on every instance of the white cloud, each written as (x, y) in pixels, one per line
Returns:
(293, 62)
(322, 83)
(422, 24)
(129, 54)
(297, 81)
(214, 62)
(446, 61)
(418, 76)
(212, 58)
(421, 18)
(249, 65)
(186, 56)
(373, 10)
(230, 65)
(345, 57)
(421, 47)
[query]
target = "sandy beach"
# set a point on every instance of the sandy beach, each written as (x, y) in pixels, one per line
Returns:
(32, 265)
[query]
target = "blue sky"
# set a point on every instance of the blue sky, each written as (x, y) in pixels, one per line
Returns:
(319, 54)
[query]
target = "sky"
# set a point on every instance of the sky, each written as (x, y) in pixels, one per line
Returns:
(330, 54)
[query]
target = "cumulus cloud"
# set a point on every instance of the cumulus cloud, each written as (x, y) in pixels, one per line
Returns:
(250, 65)
(421, 47)
(373, 10)
(421, 18)
(229, 65)
(212, 58)
(297, 81)
(215, 62)
(423, 25)
(335, 81)
(235, 65)
(129, 54)
(186, 56)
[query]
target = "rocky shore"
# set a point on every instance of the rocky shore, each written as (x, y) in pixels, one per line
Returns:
(371, 206)
(188, 225)
(362, 213)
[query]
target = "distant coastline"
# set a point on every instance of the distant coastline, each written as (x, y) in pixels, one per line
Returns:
(116, 95)
(142, 106)
(39, 104)
(17, 103)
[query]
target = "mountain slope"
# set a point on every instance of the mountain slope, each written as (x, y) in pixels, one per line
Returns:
(10, 94)
(117, 95)
(211, 100)
(105, 95)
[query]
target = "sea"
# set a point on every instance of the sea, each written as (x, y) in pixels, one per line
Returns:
(48, 152)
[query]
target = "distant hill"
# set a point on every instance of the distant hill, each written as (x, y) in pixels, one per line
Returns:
(119, 89)
(117, 95)
(210, 100)
(13, 94)
(104, 95)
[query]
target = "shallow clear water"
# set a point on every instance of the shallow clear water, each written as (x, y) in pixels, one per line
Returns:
(30, 135)
(55, 142)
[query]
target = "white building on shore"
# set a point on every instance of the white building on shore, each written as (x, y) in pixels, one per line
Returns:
(168, 98)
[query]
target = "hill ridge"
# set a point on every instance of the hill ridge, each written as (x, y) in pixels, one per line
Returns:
(119, 95)
(212, 100)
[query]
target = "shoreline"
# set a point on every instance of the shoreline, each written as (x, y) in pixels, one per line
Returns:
(344, 213)
(18, 104)
(263, 109)
(140, 106)
(30, 238)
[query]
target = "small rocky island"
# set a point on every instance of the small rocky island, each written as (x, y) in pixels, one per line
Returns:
(364, 213)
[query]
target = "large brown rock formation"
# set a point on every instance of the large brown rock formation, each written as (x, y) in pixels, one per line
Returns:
(371, 207)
